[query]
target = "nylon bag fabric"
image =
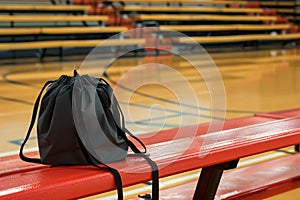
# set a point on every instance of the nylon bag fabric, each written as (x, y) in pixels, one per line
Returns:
(97, 119)
(79, 123)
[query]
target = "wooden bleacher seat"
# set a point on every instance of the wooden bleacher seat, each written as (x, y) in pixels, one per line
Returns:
(285, 10)
(226, 27)
(33, 1)
(20, 31)
(51, 18)
(219, 2)
(82, 30)
(67, 43)
(244, 136)
(189, 9)
(93, 43)
(38, 25)
(267, 179)
(276, 3)
(61, 30)
(257, 181)
(41, 8)
(289, 9)
(241, 38)
(29, 45)
(14, 164)
(165, 17)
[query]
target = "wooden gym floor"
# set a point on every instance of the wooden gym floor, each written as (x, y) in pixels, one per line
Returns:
(254, 81)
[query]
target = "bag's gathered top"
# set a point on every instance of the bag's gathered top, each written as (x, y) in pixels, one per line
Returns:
(80, 122)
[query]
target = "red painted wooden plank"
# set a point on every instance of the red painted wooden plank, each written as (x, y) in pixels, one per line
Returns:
(253, 182)
(12, 164)
(75, 182)
(170, 134)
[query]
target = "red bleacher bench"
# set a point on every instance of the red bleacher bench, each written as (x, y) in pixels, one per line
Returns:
(257, 181)
(240, 138)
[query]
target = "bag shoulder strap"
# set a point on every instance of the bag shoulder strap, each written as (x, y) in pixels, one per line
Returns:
(121, 127)
(115, 102)
(94, 162)
(33, 117)
(154, 167)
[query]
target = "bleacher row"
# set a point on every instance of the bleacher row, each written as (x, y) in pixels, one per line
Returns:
(244, 136)
(85, 23)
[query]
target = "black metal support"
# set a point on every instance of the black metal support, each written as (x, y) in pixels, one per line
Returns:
(285, 43)
(12, 23)
(41, 54)
(297, 147)
(122, 3)
(210, 178)
(61, 55)
(53, 2)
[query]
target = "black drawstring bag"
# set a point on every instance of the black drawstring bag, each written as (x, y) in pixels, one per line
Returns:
(80, 122)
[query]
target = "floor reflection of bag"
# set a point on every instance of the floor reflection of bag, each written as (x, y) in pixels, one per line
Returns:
(80, 122)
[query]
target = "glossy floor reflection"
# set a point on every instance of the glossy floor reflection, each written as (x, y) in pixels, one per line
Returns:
(254, 81)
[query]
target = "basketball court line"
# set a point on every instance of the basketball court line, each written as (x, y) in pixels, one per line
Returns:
(15, 100)
(178, 103)
(166, 109)
(14, 113)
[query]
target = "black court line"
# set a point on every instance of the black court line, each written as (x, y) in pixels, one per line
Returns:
(16, 100)
(7, 80)
(173, 111)
(176, 103)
